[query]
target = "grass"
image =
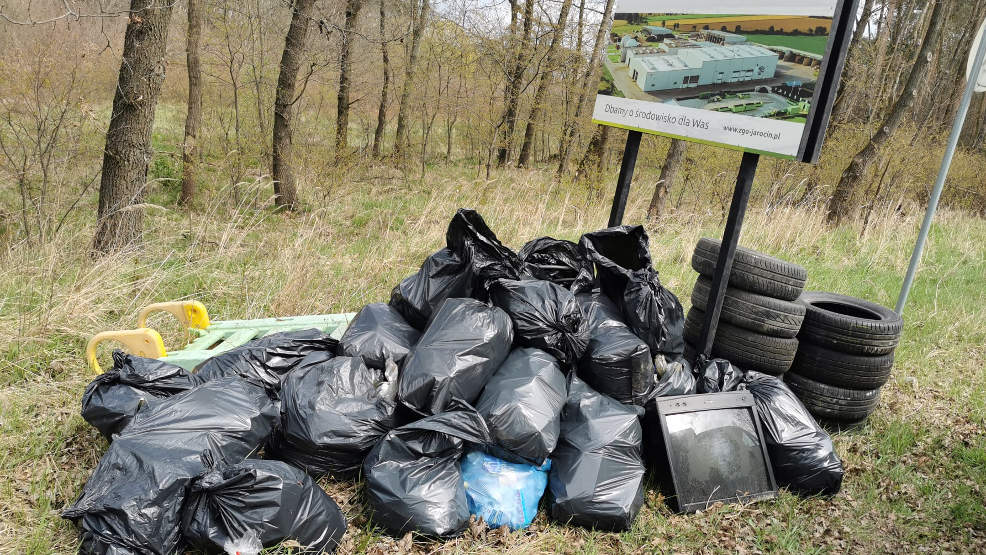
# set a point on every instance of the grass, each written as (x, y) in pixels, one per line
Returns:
(807, 43)
(915, 474)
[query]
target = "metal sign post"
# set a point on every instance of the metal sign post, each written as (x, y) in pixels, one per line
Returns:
(975, 77)
(626, 175)
(727, 250)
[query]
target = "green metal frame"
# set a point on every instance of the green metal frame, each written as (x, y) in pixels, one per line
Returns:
(224, 335)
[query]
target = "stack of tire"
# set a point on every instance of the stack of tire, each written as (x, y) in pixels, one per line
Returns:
(760, 317)
(845, 356)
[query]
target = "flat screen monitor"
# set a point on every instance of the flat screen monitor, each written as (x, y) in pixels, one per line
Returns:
(714, 450)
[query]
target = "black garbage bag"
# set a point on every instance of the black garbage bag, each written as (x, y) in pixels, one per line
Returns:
(676, 378)
(377, 334)
(469, 237)
(545, 316)
(717, 375)
(443, 275)
(246, 507)
(114, 397)
(463, 346)
(597, 471)
(617, 362)
(626, 275)
(522, 405)
(265, 360)
(801, 452)
(413, 479)
(132, 502)
(555, 260)
(599, 310)
(331, 416)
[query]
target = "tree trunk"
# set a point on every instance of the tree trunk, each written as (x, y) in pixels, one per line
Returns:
(401, 143)
(863, 22)
(193, 119)
(516, 75)
(669, 173)
(568, 138)
(285, 190)
(128, 139)
(840, 203)
(524, 159)
(345, 74)
(592, 162)
(382, 111)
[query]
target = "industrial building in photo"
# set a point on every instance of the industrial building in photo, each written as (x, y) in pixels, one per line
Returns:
(686, 64)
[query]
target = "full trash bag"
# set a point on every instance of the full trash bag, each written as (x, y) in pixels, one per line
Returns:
(617, 362)
(717, 375)
(469, 237)
(522, 405)
(626, 275)
(114, 397)
(555, 260)
(265, 360)
(545, 315)
(597, 472)
(132, 502)
(463, 346)
(501, 492)
(443, 275)
(245, 507)
(413, 479)
(331, 416)
(676, 378)
(379, 333)
(801, 452)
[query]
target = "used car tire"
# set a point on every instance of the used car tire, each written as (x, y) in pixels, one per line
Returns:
(833, 403)
(753, 271)
(842, 369)
(751, 311)
(747, 349)
(849, 325)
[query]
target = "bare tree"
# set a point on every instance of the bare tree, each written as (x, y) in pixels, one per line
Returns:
(345, 75)
(669, 173)
(524, 159)
(128, 139)
(518, 65)
(193, 118)
(285, 189)
(569, 133)
(840, 204)
(385, 87)
(420, 19)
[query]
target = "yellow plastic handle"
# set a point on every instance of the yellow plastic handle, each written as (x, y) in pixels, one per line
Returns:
(144, 342)
(192, 314)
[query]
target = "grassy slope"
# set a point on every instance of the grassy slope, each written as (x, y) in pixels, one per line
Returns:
(915, 473)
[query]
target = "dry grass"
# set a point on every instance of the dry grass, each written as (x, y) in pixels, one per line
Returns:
(915, 474)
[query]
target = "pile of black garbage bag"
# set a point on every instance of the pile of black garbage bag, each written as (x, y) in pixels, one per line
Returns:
(550, 358)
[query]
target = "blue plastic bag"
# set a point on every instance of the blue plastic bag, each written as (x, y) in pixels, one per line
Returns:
(501, 492)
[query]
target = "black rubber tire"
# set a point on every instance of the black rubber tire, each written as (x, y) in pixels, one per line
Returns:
(746, 349)
(849, 325)
(753, 271)
(751, 311)
(833, 403)
(842, 369)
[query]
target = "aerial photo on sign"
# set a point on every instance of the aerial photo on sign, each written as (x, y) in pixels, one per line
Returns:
(763, 66)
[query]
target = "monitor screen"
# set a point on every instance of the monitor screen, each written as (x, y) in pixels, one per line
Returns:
(716, 455)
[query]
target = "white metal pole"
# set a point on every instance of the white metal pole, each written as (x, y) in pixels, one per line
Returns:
(953, 141)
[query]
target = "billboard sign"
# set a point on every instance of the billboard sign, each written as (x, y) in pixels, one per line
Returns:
(752, 75)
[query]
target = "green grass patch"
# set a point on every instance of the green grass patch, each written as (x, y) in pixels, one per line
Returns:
(807, 43)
